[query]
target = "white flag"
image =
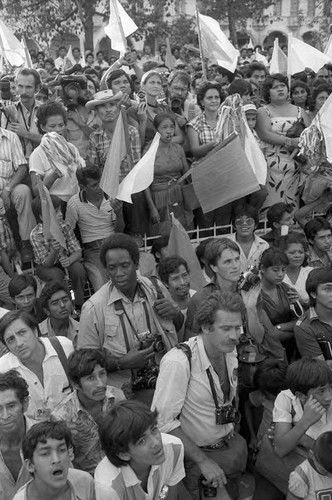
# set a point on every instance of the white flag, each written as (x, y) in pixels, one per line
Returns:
(278, 63)
(28, 62)
(323, 118)
(119, 27)
(260, 58)
(11, 47)
(216, 45)
(302, 55)
(328, 48)
(141, 176)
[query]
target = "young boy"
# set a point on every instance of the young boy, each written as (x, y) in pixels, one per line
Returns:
(140, 462)
(280, 219)
(46, 453)
(312, 479)
(304, 411)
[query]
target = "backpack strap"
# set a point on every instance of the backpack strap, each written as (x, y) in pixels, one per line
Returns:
(186, 350)
(155, 283)
(61, 355)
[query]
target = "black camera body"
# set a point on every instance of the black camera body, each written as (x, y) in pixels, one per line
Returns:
(249, 279)
(208, 490)
(72, 87)
(227, 415)
(176, 105)
(5, 91)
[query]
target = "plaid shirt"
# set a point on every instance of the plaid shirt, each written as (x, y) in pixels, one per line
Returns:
(100, 143)
(205, 132)
(41, 248)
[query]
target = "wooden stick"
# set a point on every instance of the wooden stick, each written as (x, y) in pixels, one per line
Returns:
(200, 44)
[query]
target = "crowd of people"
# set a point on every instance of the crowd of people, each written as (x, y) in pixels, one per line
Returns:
(118, 379)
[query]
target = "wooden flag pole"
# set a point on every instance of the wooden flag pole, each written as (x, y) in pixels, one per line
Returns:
(200, 44)
(127, 139)
(117, 13)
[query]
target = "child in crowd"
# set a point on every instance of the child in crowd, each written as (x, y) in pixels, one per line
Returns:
(140, 462)
(312, 479)
(46, 453)
(280, 219)
(270, 379)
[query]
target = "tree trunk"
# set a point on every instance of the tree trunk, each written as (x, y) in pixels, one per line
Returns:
(232, 22)
(89, 8)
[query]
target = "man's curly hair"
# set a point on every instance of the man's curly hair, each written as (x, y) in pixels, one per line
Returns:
(218, 301)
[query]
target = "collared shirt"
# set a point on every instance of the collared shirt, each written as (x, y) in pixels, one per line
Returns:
(8, 485)
(94, 223)
(205, 132)
(46, 329)
(20, 114)
(257, 248)
(75, 134)
(42, 398)
(84, 429)
(80, 483)
(41, 248)
(306, 482)
(289, 409)
(119, 483)
(11, 156)
(307, 329)
(315, 261)
(100, 143)
(187, 392)
(101, 324)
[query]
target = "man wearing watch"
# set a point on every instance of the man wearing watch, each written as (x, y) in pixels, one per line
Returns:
(13, 169)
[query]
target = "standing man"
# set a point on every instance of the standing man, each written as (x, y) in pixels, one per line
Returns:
(22, 115)
(127, 311)
(97, 218)
(61, 60)
(196, 392)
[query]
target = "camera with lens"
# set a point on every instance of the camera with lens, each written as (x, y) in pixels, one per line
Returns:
(148, 339)
(141, 95)
(72, 87)
(227, 415)
(249, 279)
(5, 91)
(146, 378)
(176, 105)
(208, 490)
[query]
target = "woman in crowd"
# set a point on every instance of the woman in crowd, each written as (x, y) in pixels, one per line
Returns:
(278, 297)
(273, 122)
(55, 160)
(300, 94)
(164, 195)
(243, 88)
(320, 94)
(296, 249)
(201, 132)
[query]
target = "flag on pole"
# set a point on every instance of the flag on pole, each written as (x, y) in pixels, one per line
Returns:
(169, 59)
(260, 58)
(11, 47)
(117, 153)
(302, 55)
(323, 119)
(250, 44)
(28, 62)
(216, 45)
(141, 176)
(69, 58)
(278, 63)
(180, 244)
(328, 48)
(119, 27)
(51, 227)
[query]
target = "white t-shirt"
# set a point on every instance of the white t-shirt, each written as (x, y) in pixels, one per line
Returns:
(306, 482)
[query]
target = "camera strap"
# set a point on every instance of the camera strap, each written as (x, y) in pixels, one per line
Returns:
(120, 310)
(213, 389)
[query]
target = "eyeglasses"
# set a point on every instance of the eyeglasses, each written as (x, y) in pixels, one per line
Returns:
(180, 90)
(248, 222)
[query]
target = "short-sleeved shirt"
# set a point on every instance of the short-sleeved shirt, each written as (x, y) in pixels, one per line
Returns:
(121, 483)
(315, 261)
(257, 248)
(46, 329)
(42, 398)
(41, 248)
(11, 156)
(306, 482)
(94, 223)
(99, 144)
(205, 132)
(288, 409)
(80, 483)
(307, 329)
(20, 114)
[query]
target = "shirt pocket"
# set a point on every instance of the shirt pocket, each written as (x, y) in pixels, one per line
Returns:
(114, 340)
(6, 169)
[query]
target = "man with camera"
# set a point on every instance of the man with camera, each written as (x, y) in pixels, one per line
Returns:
(177, 97)
(196, 397)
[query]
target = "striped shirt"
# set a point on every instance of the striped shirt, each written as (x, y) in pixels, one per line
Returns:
(11, 156)
(100, 143)
(94, 223)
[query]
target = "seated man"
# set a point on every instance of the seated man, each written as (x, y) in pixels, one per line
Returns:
(319, 235)
(126, 312)
(40, 361)
(97, 218)
(84, 408)
(313, 331)
(280, 220)
(52, 260)
(140, 462)
(22, 289)
(56, 302)
(46, 453)
(14, 400)
(196, 392)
